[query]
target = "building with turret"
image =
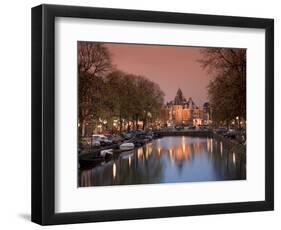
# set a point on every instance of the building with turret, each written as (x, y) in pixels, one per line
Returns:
(185, 112)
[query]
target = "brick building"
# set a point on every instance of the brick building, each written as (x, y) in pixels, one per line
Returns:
(186, 112)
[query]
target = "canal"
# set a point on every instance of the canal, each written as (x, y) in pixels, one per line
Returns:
(169, 160)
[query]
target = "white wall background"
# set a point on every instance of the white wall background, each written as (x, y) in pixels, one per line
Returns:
(15, 113)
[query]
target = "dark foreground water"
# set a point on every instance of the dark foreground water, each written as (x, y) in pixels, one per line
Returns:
(169, 160)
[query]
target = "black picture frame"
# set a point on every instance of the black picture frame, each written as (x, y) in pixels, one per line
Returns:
(43, 114)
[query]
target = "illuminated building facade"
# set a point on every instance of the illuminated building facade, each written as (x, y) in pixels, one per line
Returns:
(186, 112)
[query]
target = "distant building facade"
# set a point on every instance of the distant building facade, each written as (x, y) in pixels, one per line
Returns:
(186, 112)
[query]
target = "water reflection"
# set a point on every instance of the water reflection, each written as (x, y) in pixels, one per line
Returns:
(129, 161)
(167, 160)
(114, 170)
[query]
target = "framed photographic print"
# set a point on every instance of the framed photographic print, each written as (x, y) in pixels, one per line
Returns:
(141, 114)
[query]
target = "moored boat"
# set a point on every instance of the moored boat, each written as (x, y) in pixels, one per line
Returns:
(127, 146)
(89, 161)
(127, 154)
(105, 152)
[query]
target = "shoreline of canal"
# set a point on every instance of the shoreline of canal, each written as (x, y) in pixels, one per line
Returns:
(232, 145)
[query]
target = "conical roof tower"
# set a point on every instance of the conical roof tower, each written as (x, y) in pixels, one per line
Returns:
(179, 98)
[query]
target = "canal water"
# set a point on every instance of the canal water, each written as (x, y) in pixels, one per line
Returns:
(169, 160)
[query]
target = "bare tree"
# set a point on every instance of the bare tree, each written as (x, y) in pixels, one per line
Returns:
(132, 98)
(93, 58)
(94, 62)
(227, 89)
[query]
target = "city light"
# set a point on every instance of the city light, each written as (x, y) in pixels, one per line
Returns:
(221, 147)
(114, 170)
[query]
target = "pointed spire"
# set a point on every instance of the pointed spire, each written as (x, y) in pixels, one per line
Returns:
(179, 98)
(191, 103)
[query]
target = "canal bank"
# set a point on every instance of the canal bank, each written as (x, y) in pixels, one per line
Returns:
(231, 145)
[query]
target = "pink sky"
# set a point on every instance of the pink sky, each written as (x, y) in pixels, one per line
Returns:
(171, 67)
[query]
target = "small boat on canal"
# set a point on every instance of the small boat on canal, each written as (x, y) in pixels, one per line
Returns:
(106, 152)
(127, 154)
(127, 146)
(90, 161)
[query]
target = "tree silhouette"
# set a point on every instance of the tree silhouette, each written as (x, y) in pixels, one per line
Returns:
(227, 89)
(94, 62)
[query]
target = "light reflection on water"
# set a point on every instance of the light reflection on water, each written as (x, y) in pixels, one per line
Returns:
(168, 160)
(233, 158)
(114, 170)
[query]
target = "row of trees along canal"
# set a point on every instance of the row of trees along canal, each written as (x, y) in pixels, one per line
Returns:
(109, 97)
(227, 89)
